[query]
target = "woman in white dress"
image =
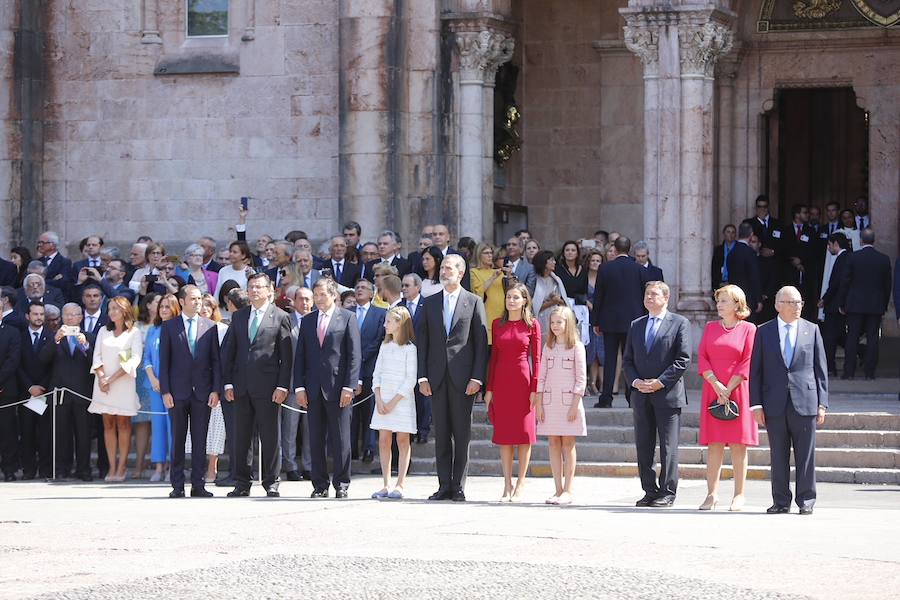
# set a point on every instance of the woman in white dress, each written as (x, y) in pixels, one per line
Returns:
(393, 383)
(237, 271)
(118, 352)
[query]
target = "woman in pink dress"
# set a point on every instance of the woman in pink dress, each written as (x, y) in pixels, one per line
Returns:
(724, 362)
(512, 385)
(560, 411)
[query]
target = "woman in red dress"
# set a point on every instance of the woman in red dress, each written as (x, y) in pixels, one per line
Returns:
(724, 362)
(512, 385)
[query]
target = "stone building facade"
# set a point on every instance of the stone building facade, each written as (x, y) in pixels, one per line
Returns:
(660, 119)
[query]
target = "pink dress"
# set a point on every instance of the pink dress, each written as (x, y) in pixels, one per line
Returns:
(563, 377)
(726, 353)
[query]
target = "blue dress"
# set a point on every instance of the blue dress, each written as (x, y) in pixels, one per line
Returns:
(161, 429)
(594, 350)
(142, 383)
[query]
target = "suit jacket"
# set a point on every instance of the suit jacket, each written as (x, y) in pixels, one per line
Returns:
(619, 295)
(832, 300)
(350, 273)
(213, 266)
(897, 287)
(182, 373)
(718, 262)
(78, 265)
(10, 357)
(371, 334)
(256, 368)
(416, 318)
(667, 359)
(8, 273)
(15, 320)
(112, 291)
(336, 363)
(524, 272)
(32, 371)
(51, 295)
(67, 368)
(461, 356)
(403, 266)
(866, 282)
(773, 236)
(805, 383)
(744, 272)
(654, 273)
(295, 337)
(60, 265)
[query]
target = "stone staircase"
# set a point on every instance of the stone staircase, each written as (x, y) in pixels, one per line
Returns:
(850, 448)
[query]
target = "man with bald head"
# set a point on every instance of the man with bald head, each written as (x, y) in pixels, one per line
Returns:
(345, 272)
(789, 396)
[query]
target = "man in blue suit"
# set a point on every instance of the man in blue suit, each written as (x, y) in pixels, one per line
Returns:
(326, 372)
(8, 273)
(618, 300)
(788, 396)
(411, 288)
(189, 380)
(370, 319)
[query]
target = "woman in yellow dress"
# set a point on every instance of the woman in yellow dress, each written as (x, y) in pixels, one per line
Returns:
(487, 282)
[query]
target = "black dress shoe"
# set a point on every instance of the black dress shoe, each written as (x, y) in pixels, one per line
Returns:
(225, 482)
(293, 476)
(238, 493)
(422, 438)
(305, 476)
(806, 510)
(778, 510)
(646, 501)
(28, 476)
(9, 477)
(663, 502)
(441, 494)
(340, 494)
(176, 494)
(319, 494)
(458, 496)
(86, 477)
(368, 456)
(273, 494)
(200, 493)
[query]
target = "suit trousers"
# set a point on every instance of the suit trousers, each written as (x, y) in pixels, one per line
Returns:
(97, 432)
(452, 412)
(833, 328)
(651, 421)
(612, 342)
(231, 438)
(36, 440)
(73, 422)
(290, 422)
(423, 413)
(360, 421)
(785, 431)
(327, 418)
(194, 414)
(858, 324)
(266, 415)
(9, 438)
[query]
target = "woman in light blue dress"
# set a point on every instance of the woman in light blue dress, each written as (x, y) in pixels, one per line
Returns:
(141, 422)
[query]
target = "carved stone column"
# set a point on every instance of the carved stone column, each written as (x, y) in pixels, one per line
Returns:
(150, 23)
(726, 73)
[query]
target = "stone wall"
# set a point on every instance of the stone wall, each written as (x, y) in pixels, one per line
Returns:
(128, 152)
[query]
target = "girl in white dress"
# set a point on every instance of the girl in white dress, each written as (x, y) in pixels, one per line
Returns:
(393, 383)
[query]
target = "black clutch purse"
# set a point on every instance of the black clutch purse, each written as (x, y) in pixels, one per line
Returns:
(724, 412)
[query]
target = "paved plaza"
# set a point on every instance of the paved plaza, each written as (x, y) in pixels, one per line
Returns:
(131, 541)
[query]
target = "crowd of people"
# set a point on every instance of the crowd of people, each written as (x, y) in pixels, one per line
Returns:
(353, 349)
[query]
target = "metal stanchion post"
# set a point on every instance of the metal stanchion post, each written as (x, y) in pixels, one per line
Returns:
(53, 433)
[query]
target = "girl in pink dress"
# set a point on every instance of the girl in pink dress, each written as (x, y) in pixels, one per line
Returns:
(724, 362)
(560, 412)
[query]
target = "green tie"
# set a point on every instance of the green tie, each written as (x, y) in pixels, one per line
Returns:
(254, 326)
(192, 336)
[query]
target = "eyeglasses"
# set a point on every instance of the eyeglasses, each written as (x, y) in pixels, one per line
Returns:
(791, 302)
(41, 242)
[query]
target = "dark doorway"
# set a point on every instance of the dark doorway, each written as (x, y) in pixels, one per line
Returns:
(817, 148)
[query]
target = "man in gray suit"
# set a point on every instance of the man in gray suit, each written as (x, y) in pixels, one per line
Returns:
(290, 421)
(657, 353)
(517, 265)
(452, 348)
(304, 262)
(788, 396)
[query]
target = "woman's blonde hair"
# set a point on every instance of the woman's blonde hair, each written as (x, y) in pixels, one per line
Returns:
(570, 337)
(475, 260)
(405, 334)
(737, 296)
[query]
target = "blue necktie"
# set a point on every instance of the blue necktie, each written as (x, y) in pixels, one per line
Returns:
(34, 342)
(361, 316)
(725, 262)
(71, 340)
(337, 271)
(788, 346)
(448, 314)
(651, 333)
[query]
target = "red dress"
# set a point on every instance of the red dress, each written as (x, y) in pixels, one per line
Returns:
(511, 378)
(726, 353)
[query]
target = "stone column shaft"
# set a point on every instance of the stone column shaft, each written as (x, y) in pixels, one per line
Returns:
(150, 17)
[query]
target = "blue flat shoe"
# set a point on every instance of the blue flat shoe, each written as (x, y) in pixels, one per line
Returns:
(380, 494)
(395, 495)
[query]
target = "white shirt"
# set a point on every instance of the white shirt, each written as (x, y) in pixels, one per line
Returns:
(659, 318)
(50, 258)
(327, 315)
(31, 333)
(452, 299)
(389, 259)
(195, 319)
(395, 303)
(414, 305)
(444, 251)
(6, 312)
(95, 317)
(514, 264)
(781, 333)
(253, 312)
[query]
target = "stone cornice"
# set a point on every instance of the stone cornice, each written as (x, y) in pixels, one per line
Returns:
(481, 21)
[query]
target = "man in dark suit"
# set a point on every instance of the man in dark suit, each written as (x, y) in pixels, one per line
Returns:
(91, 249)
(113, 282)
(69, 361)
(189, 381)
(411, 289)
(34, 380)
(8, 273)
(370, 320)
(326, 372)
(772, 237)
(95, 317)
(389, 253)
(280, 261)
(452, 352)
(657, 353)
(10, 316)
(10, 357)
(209, 254)
(59, 268)
(788, 396)
(257, 362)
(292, 421)
(865, 291)
(618, 300)
(345, 272)
(642, 257)
(235, 300)
(35, 290)
(831, 303)
(743, 268)
(800, 268)
(719, 273)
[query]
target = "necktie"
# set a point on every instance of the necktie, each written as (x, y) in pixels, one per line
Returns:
(191, 336)
(412, 309)
(361, 315)
(323, 327)
(797, 232)
(727, 250)
(306, 281)
(449, 303)
(71, 340)
(337, 271)
(34, 342)
(254, 326)
(788, 346)
(90, 324)
(651, 333)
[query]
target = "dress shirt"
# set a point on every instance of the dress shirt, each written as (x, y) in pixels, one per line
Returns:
(413, 305)
(451, 298)
(338, 263)
(89, 325)
(6, 312)
(328, 314)
(49, 259)
(196, 320)
(389, 259)
(765, 222)
(261, 311)
(659, 318)
(32, 333)
(361, 311)
(444, 251)
(514, 264)
(395, 303)
(795, 327)
(94, 263)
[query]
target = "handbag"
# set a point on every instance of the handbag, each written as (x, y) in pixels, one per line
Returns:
(724, 412)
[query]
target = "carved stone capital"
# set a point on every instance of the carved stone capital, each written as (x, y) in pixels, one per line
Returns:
(482, 52)
(702, 45)
(643, 40)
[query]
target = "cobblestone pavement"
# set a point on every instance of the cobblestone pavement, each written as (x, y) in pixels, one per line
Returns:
(130, 541)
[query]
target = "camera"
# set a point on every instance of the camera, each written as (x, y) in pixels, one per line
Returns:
(151, 277)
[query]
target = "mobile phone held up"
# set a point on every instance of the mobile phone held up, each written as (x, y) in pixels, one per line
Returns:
(245, 202)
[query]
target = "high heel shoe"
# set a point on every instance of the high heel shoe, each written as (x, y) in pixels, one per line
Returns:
(737, 504)
(710, 503)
